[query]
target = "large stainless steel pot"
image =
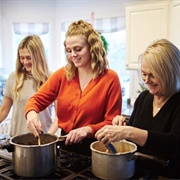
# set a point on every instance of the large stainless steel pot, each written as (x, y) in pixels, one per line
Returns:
(111, 166)
(31, 159)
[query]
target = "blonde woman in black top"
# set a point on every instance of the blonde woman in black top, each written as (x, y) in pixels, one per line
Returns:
(155, 121)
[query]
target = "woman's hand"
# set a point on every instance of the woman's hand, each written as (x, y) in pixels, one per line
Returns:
(77, 135)
(119, 120)
(110, 133)
(34, 123)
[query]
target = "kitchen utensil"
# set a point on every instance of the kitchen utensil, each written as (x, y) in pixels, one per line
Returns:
(62, 137)
(39, 141)
(35, 160)
(120, 165)
(111, 148)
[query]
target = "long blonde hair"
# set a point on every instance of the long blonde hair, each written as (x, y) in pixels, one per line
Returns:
(99, 62)
(40, 71)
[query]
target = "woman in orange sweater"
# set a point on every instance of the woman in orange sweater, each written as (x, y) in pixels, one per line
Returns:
(88, 93)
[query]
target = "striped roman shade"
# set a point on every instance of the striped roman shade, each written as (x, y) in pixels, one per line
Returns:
(31, 28)
(103, 25)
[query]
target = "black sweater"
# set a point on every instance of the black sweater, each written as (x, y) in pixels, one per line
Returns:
(163, 129)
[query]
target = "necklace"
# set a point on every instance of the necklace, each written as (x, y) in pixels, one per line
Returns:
(156, 109)
(161, 103)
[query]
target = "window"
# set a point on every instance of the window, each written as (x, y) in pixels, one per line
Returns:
(21, 30)
(116, 56)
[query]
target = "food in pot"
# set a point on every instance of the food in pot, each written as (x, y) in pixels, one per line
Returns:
(121, 147)
(30, 139)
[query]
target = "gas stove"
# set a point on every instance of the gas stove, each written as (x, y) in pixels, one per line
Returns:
(70, 166)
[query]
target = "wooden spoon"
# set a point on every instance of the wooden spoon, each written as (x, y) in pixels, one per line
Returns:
(39, 141)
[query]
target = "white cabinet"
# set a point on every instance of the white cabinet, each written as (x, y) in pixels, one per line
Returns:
(145, 22)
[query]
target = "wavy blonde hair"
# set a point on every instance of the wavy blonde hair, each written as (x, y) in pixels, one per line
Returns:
(163, 60)
(40, 71)
(99, 62)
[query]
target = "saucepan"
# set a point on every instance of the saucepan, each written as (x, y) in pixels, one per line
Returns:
(120, 165)
(115, 166)
(31, 159)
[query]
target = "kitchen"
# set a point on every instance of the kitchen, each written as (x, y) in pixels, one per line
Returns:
(55, 55)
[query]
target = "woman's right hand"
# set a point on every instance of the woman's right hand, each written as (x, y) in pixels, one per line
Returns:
(34, 123)
(119, 120)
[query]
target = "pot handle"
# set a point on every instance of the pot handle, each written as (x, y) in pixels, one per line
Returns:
(62, 137)
(163, 162)
(7, 145)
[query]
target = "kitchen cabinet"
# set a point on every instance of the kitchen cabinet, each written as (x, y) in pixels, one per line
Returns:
(146, 21)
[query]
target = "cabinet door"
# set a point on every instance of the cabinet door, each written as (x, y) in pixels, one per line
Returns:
(175, 23)
(145, 22)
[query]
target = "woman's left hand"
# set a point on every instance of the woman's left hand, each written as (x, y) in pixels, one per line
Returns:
(119, 120)
(77, 135)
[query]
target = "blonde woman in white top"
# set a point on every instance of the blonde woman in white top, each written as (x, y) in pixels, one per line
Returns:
(31, 72)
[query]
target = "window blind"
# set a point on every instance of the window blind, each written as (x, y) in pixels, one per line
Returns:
(103, 25)
(31, 28)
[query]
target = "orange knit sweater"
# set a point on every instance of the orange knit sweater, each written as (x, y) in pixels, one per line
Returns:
(95, 106)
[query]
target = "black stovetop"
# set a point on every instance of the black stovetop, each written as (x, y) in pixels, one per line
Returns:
(70, 166)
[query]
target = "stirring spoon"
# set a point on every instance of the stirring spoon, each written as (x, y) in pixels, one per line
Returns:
(111, 148)
(39, 141)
